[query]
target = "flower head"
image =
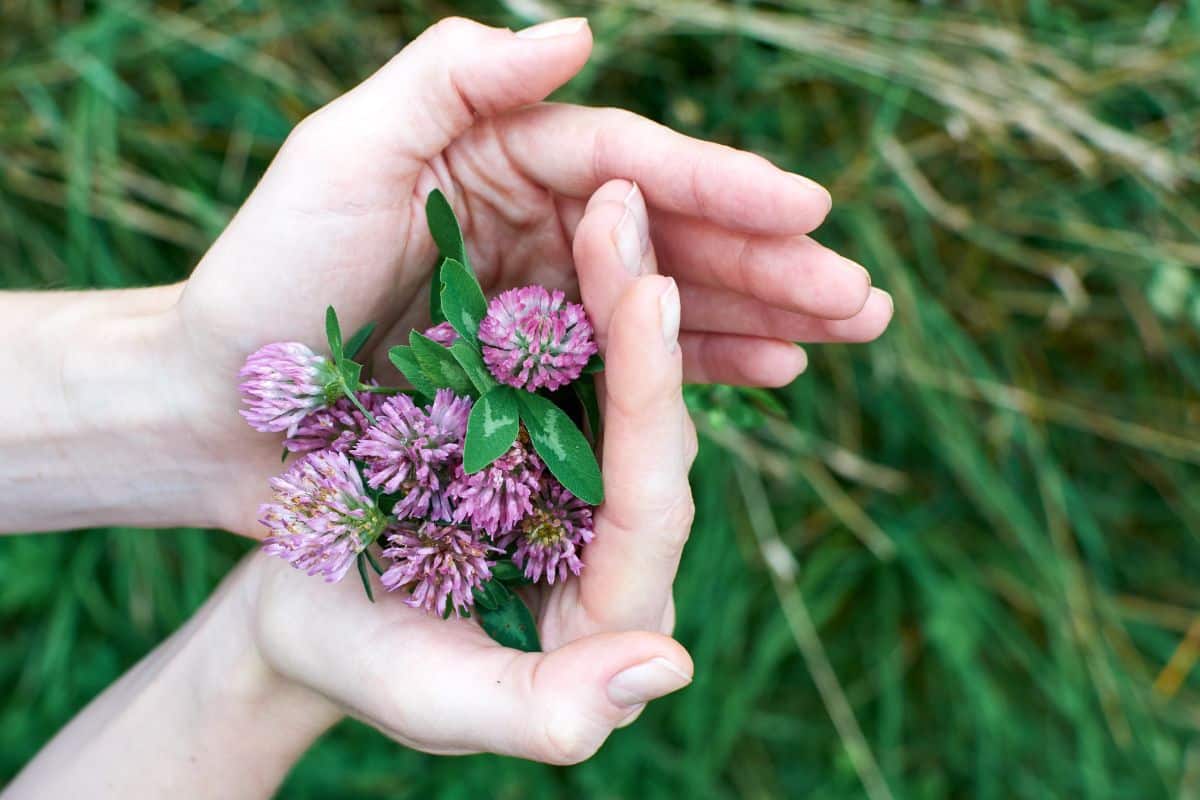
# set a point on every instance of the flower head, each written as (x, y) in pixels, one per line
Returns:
(337, 427)
(440, 565)
(284, 381)
(321, 517)
(443, 333)
(532, 338)
(550, 537)
(414, 451)
(497, 497)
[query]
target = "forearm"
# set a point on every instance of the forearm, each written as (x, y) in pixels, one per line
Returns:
(201, 716)
(89, 431)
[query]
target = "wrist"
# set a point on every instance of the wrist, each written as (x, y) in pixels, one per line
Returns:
(96, 428)
(201, 716)
(237, 690)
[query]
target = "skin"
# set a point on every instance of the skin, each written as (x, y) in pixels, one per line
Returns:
(339, 219)
(127, 416)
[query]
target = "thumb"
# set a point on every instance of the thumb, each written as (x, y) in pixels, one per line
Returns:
(572, 698)
(457, 70)
(649, 442)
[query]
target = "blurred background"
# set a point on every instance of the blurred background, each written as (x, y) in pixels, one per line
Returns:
(960, 562)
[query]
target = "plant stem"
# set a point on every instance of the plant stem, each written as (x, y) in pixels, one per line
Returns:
(358, 404)
(391, 390)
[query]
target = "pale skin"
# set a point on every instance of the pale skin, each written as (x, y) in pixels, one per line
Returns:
(695, 264)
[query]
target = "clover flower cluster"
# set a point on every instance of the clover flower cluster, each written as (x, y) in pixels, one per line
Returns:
(532, 338)
(378, 467)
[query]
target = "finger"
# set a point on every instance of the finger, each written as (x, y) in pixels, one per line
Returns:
(647, 511)
(454, 72)
(359, 157)
(612, 249)
(581, 692)
(740, 360)
(794, 273)
(574, 150)
(557, 707)
(443, 686)
(708, 310)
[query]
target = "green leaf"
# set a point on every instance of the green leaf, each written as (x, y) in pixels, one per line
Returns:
(403, 359)
(562, 447)
(491, 428)
(470, 359)
(446, 233)
(333, 332)
(366, 580)
(506, 618)
(463, 302)
(350, 371)
(436, 315)
(585, 390)
(439, 366)
(490, 595)
(359, 339)
(509, 574)
(595, 364)
(444, 228)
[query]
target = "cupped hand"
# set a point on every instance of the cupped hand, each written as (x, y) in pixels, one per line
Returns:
(443, 686)
(339, 219)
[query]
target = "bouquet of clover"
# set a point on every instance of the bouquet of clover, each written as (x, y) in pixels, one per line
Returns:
(476, 481)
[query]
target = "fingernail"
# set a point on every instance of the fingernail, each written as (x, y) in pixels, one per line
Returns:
(886, 296)
(801, 360)
(668, 308)
(646, 681)
(558, 27)
(850, 264)
(809, 183)
(632, 233)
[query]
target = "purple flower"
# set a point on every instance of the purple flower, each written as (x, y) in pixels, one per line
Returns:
(440, 565)
(550, 538)
(497, 497)
(336, 427)
(284, 381)
(532, 338)
(443, 333)
(321, 518)
(414, 451)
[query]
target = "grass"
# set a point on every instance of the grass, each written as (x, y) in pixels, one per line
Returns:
(963, 562)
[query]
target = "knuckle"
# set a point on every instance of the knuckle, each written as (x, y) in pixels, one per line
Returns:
(691, 445)
(450, 28)
(309, 134)
(667, 626)
(679, 516)
(709, 355)
(746, 262)
(613, 131)
(567, 738)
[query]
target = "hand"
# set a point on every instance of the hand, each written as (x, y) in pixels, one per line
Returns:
(339, 219)
(275, 656)
(443, 686)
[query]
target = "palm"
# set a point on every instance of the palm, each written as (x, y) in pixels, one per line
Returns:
(459, 687)
(344, 239)
(339, 219)
(518, 232)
